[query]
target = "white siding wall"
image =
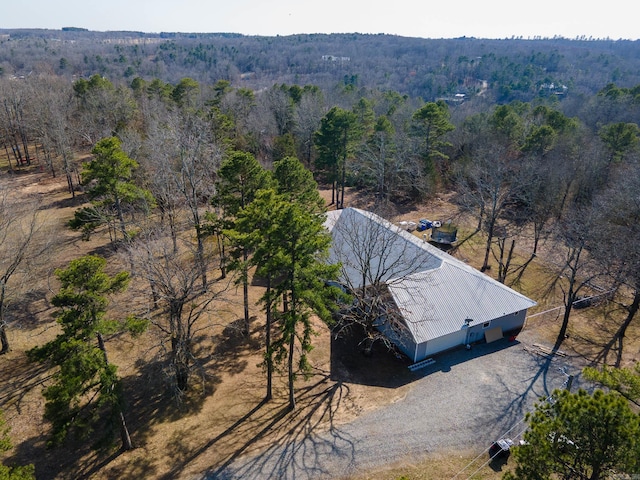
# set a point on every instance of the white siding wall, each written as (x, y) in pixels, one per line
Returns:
(446, 342)
(476, 333)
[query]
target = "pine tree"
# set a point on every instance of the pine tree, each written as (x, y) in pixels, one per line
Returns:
(285, 232)
(257, 227)
(111, 189)
(302, 257)
(240, 178)
(334, 142)
(579, 436)
(86, 396)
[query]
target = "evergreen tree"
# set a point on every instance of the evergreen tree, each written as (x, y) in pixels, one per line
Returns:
(257, 228)
(86, 396)
(296, 183)
(111, 188)
(334, 142)
(431, 124)
(625, 381)
(579, 436)
(303, 248)
(620, 138)
(239, 179)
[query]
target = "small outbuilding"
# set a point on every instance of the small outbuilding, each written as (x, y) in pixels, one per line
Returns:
(443, 302)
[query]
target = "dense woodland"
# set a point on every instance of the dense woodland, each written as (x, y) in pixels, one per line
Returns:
(515, 69)
(201, 154)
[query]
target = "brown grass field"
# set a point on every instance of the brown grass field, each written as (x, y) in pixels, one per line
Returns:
(223, 415)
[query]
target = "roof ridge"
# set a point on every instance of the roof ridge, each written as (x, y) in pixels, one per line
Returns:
(431, 250)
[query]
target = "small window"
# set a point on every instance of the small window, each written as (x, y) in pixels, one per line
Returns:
(486, 324)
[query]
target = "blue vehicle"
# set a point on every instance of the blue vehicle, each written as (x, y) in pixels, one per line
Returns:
(424, 224)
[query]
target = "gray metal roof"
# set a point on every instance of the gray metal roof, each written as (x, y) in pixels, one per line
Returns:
(435, 291)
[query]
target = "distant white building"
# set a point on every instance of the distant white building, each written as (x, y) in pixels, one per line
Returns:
(444, 303)
(334, 58)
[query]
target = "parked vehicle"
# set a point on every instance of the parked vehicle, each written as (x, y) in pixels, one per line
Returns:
(501, 449)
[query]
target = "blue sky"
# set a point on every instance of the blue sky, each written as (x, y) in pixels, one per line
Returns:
(414, 18)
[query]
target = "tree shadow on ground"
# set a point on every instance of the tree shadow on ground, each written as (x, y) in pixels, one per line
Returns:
(74, 459)
(230, 348)
(67, 202)
(20, 377)
(34, 451)
(286, 443)
(23, 378)
(552, 371)
(602, 343)
(150, 399)
(385, 368)
(148, 402)
(106, 250)
(382, 367)
(28, 311)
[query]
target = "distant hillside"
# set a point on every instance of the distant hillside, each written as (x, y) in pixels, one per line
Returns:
(513, 69)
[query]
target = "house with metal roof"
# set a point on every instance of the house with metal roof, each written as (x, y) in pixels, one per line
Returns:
(443, 303)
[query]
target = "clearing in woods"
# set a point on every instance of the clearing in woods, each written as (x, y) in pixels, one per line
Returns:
(224, 415)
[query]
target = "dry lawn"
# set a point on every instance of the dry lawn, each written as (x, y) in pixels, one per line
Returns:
(224, 415)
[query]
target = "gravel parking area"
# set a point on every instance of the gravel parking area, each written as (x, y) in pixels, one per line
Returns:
(466, 400)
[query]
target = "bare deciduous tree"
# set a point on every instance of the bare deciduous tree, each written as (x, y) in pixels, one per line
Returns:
(14, 120)
(307, 115)
(489, 185)
(576, 268)
(615, 248)
(182, 152)
(373, 257)
(23, 242)
(54, 102)
(174, 279)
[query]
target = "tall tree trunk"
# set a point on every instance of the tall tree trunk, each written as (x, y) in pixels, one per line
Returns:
(8, 158)
(4, 340)
(268, 352)
(124, 431)
(245, 291)
(534, 253)
(343, 181)
(563, 328)
(200, 256)
(223, 260)
(287, 318)
(124, 434)
(123, 225)
(49, 162)
(292, 397)
(573, 262)
(485, 263)
(25, 146)
(504, 263)
(171, 216)
(68, 171)
(571, 297)
(333, 191)
(179, 345)
(622, 331)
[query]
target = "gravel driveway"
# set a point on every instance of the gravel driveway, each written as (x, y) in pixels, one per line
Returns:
(465, 400)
